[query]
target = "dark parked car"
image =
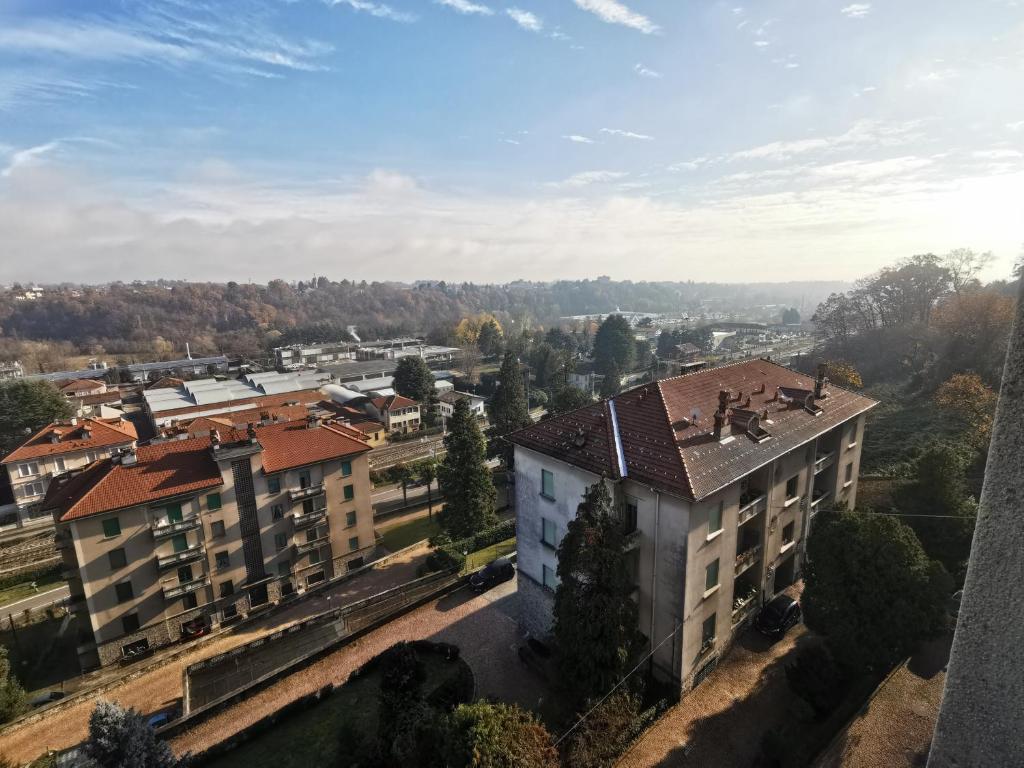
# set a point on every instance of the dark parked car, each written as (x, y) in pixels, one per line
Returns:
(495, 573)
(161, 719)
(46, 698)
(781, 613)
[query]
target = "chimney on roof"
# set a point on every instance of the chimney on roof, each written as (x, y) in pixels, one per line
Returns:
(251, 432)
(215, 439)
(54, 436)
(312, 421)
(723, 401)
(819, 382)
(719, 423)
(129, 456)
(86, 432)
(74, 421)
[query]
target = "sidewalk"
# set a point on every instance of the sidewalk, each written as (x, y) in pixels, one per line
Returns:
(159, 688)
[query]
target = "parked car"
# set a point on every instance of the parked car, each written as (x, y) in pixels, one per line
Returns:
(47, 698)
(777, 616)
(495, 573)
(161, 719)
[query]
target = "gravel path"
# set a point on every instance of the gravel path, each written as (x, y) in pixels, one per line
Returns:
(160, 688)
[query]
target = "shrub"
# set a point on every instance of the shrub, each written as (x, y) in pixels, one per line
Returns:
(607, 732)
(485, 735)
(457, 689)
(815, 677)
(450, 557)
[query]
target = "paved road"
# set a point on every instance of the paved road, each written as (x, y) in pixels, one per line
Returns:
(35, 601)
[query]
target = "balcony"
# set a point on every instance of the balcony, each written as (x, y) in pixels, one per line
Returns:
(751, 505)
(746, 559)
(742, 606)
(824, 461)
(303, 519)
(299, 494)
(308, 546)
(819, 496)
(163, 529)
(184, 556)
(173, 589)
(631, 541)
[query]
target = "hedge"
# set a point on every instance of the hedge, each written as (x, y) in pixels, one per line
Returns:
(22, 577)
(449, 556)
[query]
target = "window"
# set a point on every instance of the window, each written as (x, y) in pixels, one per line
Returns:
(547, 484)
(849, 473)
(223, 560)
(213, 501)
(124, 591)
(217, 528)
(312, 534)
(111, 527)
(350, 519)
(715, 518)
(549, 533)
(284, 569)
(707, 631)
(548, 576)
(174, 513)
(130, 623)
(711, 576)
(280, 541)
(787, 533)
(304, 479)
(59, 463)
(350, 492)
(179, 542)
(117, 559)
(353, 544)
(346, 468)
(185, 574)
(227, 588)
(189, 601)
(792, 486)
(274, 484)
(630, 507)
(314, 556)
(28, 469)
(32, 489)
(278, 511)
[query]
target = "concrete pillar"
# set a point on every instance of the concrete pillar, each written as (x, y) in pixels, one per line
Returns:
(983, 701)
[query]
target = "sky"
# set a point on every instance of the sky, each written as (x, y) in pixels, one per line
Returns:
(493, 141)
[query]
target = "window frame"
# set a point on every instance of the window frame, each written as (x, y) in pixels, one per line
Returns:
(210, 503)
(544, 526)
(106, 529)
(547, 475)
(121, 599)
(214, 534)
(346, 468)
(273, 484)
(708, 638)
(713, 514)
(715, 564)
(226, 564)
(124, 558)
(349, 492)
(546, 569)
(353, 544)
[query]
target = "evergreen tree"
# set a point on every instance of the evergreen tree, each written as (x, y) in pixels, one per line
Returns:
(463, 477)
(611, 383)
(121, 738)
(485, 735)
(871, 590)
(614, 343)
(414, 380)
(13, 701)
(595, 617)
(490, 340)
(26, 407)
(509, 410)
(567, 399)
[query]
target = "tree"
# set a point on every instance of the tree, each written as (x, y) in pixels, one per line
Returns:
(26, 407)
(463, 477)
(604, 735)
(13, 700)
(406, 723)
(941, 509)
(427, 471)
(791, 316)
(403, 475)
(486, 735)
(965, 398)
(509, 409)
(595, 624)
(973, 330)
(871, 590)
(489, 339)
(121, 738)
(413, 379)
(611, 382)
(566, 399)
(614, 343)
(815, 677)
(964, 266)
(843, 374)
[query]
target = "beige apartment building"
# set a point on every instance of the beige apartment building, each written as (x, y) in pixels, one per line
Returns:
(400, 415)
(718, 476)
(55, 449)
(166, 541)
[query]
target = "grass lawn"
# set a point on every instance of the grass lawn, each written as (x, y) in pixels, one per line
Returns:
(400, 536)
(20, 591)
(309, 739)
(482, 557)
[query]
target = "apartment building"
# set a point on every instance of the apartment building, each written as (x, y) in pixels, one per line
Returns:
(717, 477)
(398, 414)
(446, 403)
(166, 541)
(55, 449)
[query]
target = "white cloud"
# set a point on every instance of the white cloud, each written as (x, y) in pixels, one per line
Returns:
(856, 10)
(643, 71)
(512, 142)
(998, 154)
(576, 138)
(25, 157)
(380, 10)
(761, 43)
(627, 134)
(866, 133)
(465, 6)
(525, 19)
(1017, 126)
(587, 178)
(614, 12)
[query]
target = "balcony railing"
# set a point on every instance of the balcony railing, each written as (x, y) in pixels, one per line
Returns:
(298, 494)
(302, 548)
(304, 519)
(164, 529)
(824, 461)
(742, 608)
(631, 541)
(751, 509)
(184, 556)
(746, 559)
(818, 497)
(173, 589)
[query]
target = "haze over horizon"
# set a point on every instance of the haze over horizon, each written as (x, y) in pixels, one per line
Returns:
(484, 141)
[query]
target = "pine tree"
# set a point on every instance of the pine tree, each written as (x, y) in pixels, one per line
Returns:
(121, 738)
(413, 379)
(13, 701)
(595, 617)
(611, 383)
(27, 406)
(509, 409)
(614, 343)
(463, 477)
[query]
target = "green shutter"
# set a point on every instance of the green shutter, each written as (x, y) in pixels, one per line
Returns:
(111, 527)
(213, 501)
(179, 542)
(346, 468)
(174, 513)
(350, 492)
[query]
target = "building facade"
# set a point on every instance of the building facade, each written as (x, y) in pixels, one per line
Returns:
(400, 415)
(166, 541)
(446, 403)
(717, 477)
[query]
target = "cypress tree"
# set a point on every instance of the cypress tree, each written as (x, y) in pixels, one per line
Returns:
(509, 409)
(463, 477)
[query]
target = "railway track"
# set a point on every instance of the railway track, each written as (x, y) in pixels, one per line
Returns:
(28, 553)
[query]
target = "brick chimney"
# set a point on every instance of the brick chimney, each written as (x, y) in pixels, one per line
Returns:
(215, 439)
(819, 382)
(723, 406)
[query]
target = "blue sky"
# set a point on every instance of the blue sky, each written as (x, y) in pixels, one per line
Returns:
(490, 141)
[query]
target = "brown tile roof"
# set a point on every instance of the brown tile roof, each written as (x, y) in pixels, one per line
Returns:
(70, 438)
(392, 401)
(663, 446)
(270, 413)
(175, 467)
(81, 385)
(100, 398)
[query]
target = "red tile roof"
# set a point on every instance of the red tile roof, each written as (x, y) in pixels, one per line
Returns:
(81, 385)
(70, 438)
(664, 447)
(392, 401)
(176, 467)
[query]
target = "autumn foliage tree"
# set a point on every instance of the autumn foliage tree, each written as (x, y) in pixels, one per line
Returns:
(966, 398)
